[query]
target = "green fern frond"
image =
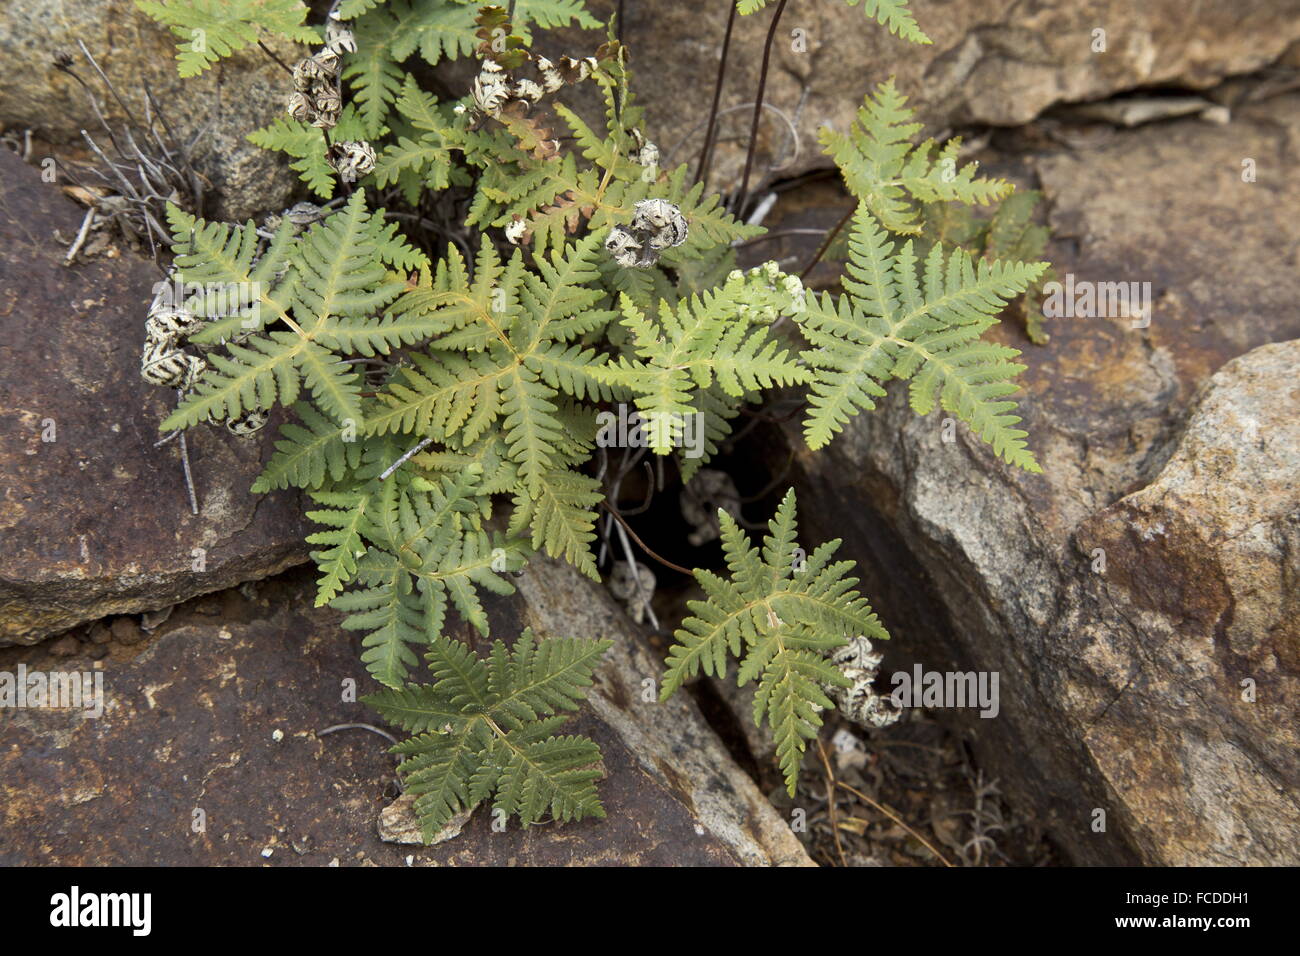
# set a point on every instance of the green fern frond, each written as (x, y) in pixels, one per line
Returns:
(428, 552)
(440, 31)
(717, 337)
(334, 281)
(781, 615)
(889, 325)
(310, 454)
(883, 170)
(488, 725)
(549, 14)
(212, 29)
(372, 73)
(344, 513)
(520, 325)
(422, 160)
(562, 517)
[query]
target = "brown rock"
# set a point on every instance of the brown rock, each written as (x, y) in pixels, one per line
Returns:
(97, 520)
(1204, 562)
(1119, 692)
(190, 725)
(126, 631)
(66, 646)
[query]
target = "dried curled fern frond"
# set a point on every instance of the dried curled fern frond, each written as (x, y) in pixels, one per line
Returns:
(782, 615)
(892, 323)
(488, 726)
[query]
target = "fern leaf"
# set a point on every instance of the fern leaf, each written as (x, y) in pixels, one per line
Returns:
(891, 14)
(717, 337)
(489, 725)
(883, 170)
(561, 517)
(338, 282)
(311, 453)
(345, 515)
(887, 326)
(372, 73)
(212, 29)
(783, 618)
(440, 31)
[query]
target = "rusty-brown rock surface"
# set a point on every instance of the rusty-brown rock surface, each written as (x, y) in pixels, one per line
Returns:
(1120, 691)
(1203, 565)
(994, 62)
(220, 714)
(94, 520)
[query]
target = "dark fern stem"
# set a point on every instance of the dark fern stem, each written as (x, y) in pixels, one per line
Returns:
(826, 243)
(706, 154)
(743, 195)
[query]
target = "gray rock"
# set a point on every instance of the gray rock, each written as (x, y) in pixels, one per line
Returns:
(233, 98)
(1120, 691)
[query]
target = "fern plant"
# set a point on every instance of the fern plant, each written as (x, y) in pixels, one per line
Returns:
(891, 14)
(782, 615)
(442, 401)
(488, 726)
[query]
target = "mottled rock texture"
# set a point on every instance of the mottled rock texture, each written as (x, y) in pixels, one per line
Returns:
(995, 62)
(1121, 691)
(97, 520)
(232, 99)
(191, 724)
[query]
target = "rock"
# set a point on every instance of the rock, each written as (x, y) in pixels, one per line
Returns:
(994, 62)
(1119, 691)
(188, 727)
(1202, 565)
(399, 824)
(94, 520)
(66, 646)
(235, 97)
(126, 631)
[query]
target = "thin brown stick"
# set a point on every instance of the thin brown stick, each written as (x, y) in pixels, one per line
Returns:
(896, 818)
(830, 801)
(706, 154)
(743, 195)
(641, 544)
(826, 243)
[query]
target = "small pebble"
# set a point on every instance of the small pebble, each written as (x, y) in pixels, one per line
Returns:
(277, 735)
